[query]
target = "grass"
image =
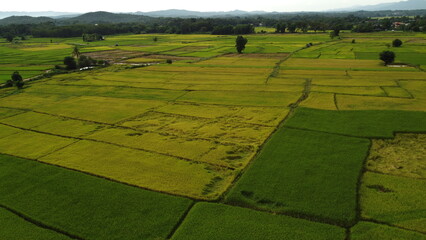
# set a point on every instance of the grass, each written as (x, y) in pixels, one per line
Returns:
(401, 156)
(306, 174)
(368, 230)
(399, 201)
(377, 124)
(85, 206)
(217, 221)
(15, 228)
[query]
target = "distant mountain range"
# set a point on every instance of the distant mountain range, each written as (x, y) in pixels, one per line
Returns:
(39, 14)
(186, 13)
(403, 5)
(385, 9)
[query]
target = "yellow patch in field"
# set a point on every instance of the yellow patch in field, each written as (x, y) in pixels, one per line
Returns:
(405, 155)
(46, 47)
(373, 91)
(348, 102)
(149, 170)
(333, 63)
(32, 145)
(6, 131)
(397, 92)
(320, 100)
(242, 98)
(101, 109)
(349, 82)
(164, 144)
(29, 101)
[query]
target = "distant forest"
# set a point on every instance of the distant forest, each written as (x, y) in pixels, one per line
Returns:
(104, 23)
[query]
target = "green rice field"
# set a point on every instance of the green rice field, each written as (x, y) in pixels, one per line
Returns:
(283, 141)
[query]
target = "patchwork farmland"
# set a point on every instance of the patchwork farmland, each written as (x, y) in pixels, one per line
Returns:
(283, 141)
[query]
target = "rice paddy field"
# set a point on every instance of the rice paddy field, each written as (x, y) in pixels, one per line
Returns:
(280, 142)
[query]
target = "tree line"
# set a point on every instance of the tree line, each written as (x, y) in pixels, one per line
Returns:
(220, 26)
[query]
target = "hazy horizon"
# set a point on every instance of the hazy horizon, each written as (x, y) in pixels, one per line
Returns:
(80, 6)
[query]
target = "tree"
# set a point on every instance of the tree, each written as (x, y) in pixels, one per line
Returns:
(387, 57)
(17, 80)
(9, 37)
(292, 27)
(70, 63)
(76, 52)
(240, 43)
(16, 77)
(396, 43)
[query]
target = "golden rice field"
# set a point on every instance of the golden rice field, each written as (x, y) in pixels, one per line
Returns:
(323, 141)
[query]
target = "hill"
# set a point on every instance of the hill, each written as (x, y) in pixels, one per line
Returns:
(403, 5)
(107, 17)
(186, 13)
(25, 20)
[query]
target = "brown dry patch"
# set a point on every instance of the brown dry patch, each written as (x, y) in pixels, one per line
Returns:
(405, 155)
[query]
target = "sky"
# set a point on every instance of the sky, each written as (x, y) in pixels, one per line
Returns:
(82, 6)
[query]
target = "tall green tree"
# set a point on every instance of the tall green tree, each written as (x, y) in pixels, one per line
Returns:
(240, 43)
(387, 57)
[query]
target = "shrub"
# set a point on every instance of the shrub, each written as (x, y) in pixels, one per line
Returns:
(70, 63)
